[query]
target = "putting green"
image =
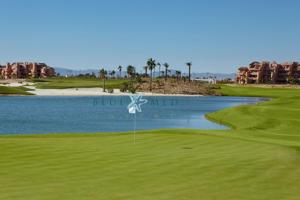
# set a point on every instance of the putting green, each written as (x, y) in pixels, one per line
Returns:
(258, 159)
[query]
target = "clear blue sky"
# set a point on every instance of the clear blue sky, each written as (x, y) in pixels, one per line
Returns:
(216, 35)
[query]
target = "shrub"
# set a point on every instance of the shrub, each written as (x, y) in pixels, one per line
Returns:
(213, 87)
(124, 87)
(132, 88)
(128, 87)
(110, 90)
(138, 79)
(292, 80)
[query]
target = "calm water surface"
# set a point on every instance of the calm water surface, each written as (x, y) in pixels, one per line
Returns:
(108, 114)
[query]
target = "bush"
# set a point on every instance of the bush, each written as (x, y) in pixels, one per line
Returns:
(124, 87)
(138, 79)
(132, 89)
(213, 87)
(110, 90)
(293, 81)
(128, 87)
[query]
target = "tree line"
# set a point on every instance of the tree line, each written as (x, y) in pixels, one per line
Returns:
(150, 67)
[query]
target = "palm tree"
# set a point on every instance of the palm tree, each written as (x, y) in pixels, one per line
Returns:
(112, 73)
(178, 73)
(102, 75)
(120, 70)
(131, 71)
(189, 64)
(151, 65)
(159, 65)
(166, 65)
(146, 70)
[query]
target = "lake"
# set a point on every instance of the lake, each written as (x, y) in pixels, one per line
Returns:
(41, 114)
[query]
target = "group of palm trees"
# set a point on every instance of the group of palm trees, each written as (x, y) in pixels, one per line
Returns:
(150, 66)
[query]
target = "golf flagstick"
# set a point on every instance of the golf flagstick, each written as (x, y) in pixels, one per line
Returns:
(134, 128)
(133, 108)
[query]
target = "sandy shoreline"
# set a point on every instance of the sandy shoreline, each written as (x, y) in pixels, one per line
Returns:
(91, 92)
(79, 91)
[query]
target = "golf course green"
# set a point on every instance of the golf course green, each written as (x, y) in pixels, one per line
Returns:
(258, 158)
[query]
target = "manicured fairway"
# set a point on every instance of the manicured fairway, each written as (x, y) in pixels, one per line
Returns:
(258, 159)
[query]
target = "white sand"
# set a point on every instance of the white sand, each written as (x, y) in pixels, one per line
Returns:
(77, 91)
(15, 83)
(91, 92)
(74, 92)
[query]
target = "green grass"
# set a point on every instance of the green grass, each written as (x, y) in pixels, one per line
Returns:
(258, 92)
(14, 91)
(74, 82)
(258, 159)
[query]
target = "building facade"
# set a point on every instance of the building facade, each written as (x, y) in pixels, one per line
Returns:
(269, 73)
(26, 70)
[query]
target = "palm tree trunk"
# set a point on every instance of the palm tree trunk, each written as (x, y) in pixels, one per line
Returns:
(159, 71)
(150, 80)
(165, 83)
(104, 84)
(166, 74)
(189, 74)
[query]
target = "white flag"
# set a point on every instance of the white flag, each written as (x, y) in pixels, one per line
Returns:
(132, 110)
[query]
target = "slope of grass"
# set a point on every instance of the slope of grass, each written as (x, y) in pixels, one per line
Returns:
(258, 159)
(258, 91)
(14, 91)
(74, 82)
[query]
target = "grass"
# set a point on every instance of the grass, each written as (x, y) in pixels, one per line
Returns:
(4, 90)
(258, 91)
(75, 82)
(258, 159)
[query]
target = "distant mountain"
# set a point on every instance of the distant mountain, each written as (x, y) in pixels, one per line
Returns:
(71, 72)
(218, 76)
(207, 75)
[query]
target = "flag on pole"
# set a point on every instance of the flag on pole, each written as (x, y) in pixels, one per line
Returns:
(136, 102)
(135, 106)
